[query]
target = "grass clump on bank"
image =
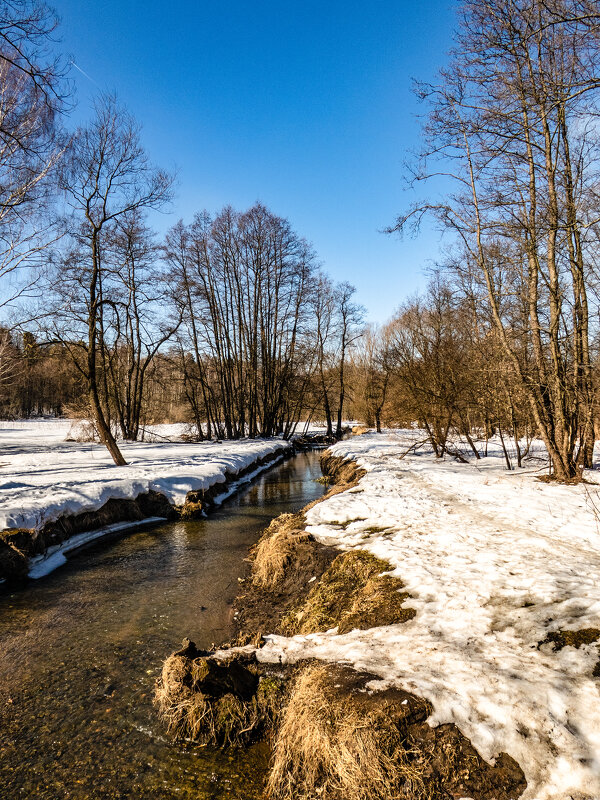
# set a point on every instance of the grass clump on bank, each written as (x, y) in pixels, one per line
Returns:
(352, 593)
(282, 542)
(333, 745)
(276, 549)
(338, 739)
(218, 702)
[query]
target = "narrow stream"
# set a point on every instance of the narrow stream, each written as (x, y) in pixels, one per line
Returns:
(81, 649)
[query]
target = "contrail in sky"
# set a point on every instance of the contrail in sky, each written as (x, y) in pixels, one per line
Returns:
(84, 73)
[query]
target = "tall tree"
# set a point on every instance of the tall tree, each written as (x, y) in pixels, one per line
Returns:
(242, 281)
(33, 92)
(106, 177)
(138, 320)
(350, 319)
(511, 121)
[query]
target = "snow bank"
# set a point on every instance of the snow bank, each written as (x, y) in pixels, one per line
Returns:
(494, 560)
(56, 556)
(43, 477)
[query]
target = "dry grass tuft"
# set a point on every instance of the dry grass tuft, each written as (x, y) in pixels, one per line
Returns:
(275, 550)
(225, 720)
(352, 593)
(331, 748)
(359, 430)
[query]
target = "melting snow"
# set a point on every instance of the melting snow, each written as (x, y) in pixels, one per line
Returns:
(42, 476)
(494, 560)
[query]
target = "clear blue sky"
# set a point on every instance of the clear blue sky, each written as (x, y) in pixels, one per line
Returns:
(306, 106)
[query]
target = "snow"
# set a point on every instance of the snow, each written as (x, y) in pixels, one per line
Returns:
(43, 477)
(55, 556)
(493, 560)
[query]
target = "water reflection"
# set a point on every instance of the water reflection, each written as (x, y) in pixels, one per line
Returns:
(80, 651)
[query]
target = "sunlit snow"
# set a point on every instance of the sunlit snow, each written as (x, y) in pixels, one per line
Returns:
(494, 560)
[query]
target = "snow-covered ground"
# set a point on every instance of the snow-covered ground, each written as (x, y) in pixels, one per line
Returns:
(42, 476)
(494, 560)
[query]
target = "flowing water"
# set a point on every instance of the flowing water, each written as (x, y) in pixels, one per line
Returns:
(80, 651)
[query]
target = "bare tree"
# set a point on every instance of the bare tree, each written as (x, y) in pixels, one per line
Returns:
(512, 122)
(322, 301)
(375, 364)
(350, 320)
(33, 92)
(106, 177)
(140, 326)
(27, 32)
(242, 281)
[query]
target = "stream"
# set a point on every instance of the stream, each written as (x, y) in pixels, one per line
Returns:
(80, 651)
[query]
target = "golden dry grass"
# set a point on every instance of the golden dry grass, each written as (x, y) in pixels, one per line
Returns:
(352, 593)
(275, 550)
(329, 748)
(225, 721)
(359, 430)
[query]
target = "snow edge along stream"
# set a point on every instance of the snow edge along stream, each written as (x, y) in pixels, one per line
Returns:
(490, 576)
(209, 491)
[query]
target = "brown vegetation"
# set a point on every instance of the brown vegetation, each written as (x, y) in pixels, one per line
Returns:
(339, 741)
(217, 701)
(352, 593)
(286, 562)
(276, 549)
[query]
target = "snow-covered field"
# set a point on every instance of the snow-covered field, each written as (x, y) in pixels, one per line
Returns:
(42, 476)
(494, 560)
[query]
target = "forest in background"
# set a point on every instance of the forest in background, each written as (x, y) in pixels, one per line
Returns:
(230, 323)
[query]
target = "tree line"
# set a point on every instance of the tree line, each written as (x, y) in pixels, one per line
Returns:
(221, 310)
(505, 341)
(229, 322)
(511, 125)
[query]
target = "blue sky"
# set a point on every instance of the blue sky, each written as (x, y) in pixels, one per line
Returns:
(304, 106)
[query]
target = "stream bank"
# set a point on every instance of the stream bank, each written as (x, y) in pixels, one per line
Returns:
(331, 735)
(81, 650)
(35, 552)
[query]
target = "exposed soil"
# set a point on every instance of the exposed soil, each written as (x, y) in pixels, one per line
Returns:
(273, 593)
(339, 740)
(352, 593)
(576, 639)
(263, 609)
(219, 701)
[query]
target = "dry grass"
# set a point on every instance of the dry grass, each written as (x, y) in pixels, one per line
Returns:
(333, 749)
(277, 546)
(224, 721)
(575, 639)
(343, 472)
(359, 430)
(352, 593)
(275, 550)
